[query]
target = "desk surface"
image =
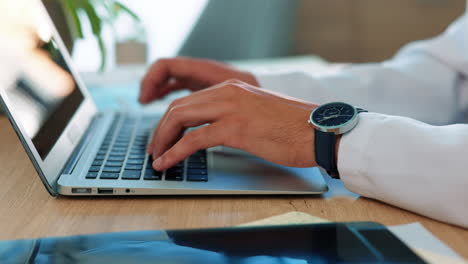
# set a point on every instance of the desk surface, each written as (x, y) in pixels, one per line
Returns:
(28, 210)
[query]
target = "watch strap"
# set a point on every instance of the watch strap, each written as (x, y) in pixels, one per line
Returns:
(325, 152)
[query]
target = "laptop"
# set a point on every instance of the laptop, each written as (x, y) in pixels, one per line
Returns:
(79, 151)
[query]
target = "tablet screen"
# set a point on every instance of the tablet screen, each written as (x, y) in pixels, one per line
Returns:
(354, 242)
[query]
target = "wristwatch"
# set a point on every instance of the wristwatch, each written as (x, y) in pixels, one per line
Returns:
(330, 120)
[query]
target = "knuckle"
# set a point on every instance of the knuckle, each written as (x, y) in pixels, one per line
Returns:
(177, 102)
(233, 82)
(177, 112)
(232, 89)
(236, 88)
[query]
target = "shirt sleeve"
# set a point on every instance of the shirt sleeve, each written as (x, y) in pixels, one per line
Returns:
(409, 164)
(403, 152)
(422, 75)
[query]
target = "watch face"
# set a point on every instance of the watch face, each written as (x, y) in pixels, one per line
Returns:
(333, 114)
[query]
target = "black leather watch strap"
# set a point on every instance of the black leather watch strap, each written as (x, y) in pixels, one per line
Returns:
(325, 152)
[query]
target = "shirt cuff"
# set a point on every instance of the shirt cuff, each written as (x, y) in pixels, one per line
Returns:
(353, 155)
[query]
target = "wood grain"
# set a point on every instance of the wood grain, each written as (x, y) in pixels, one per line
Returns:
(28, 211)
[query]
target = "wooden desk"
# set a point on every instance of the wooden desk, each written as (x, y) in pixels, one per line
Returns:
(28, 210)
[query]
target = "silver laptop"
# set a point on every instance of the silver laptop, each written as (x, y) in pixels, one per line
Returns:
(79, 151)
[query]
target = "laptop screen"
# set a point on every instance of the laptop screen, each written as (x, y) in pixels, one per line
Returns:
(45, 96)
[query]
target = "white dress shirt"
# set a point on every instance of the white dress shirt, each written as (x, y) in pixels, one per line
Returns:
(411, 150)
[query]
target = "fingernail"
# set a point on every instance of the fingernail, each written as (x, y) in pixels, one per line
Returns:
(157, 164)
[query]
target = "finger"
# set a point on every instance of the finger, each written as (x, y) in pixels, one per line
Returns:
(164, 69)
(218, 92)
(151, 146)
(199, 73)
(202, 138)
(212, 94)
(157, 76)
(183, 117)
(171, 86)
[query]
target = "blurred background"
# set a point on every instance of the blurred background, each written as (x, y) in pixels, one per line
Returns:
(337, 30)
(141, 31)
(112, 42)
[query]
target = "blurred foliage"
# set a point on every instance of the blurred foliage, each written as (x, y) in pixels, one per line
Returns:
(98, 13)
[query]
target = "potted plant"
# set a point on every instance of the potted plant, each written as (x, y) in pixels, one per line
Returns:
(68, 15)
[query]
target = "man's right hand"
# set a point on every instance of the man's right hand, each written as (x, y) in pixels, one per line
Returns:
(168, 75)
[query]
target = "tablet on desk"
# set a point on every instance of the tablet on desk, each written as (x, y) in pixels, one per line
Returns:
(353, 242)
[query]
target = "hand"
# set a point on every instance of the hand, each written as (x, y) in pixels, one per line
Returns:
(167, 75)
(238, 115)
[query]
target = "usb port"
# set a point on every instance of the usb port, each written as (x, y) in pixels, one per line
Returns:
(81, 190)
(105, 190)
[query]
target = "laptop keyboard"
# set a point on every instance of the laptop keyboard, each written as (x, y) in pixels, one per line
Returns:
(122, 156)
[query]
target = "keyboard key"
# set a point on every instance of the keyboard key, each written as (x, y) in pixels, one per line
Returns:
(197, 166)
(179, 165)
(197, 171)
(91, 175)
(97, 163)
(197, 177)
(174, 175)
(116, 158)
(119, 153)
(200, 153)
(137, 156)
(102, 152)
(94, 168)
(131, 175)
(111, 169)
(114, 164)
(119, 149)
(100, 157)
(109, 176)
(151, 174)
(104, 149)
(133, 167)
(135, 161)
(149, 165)
(176, 170)
(138, 146)
(199, 159)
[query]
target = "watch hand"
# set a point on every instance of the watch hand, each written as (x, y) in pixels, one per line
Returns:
(328, 117)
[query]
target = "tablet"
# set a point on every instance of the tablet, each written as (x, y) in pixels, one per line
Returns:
(352, 242)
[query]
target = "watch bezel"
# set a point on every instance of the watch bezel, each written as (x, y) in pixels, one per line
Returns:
(338, 129)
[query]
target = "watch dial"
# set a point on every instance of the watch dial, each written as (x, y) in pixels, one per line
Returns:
(333, 114)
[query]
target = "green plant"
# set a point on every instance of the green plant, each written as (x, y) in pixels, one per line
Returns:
(98, 13)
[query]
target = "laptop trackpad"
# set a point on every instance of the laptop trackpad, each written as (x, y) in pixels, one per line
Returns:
(242, 167)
